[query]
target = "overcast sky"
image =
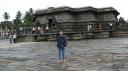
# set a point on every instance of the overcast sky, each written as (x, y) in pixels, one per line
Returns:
(12, 6)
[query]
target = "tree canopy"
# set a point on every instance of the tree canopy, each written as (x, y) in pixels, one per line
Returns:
(18, 19)
(28, 18)
(122, 21)
(6, 16)
(25, 21)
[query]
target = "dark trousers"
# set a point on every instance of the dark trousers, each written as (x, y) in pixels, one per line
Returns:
(14, 40)
(61, 53)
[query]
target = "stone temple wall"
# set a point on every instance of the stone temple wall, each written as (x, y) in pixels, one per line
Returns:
(79, 22)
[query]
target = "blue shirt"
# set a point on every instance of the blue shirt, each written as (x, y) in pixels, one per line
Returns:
(61, 42)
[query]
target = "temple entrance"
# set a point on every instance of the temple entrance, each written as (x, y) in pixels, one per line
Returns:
(52, 22)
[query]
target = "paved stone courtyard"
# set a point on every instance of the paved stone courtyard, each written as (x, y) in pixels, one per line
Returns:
(107, 54)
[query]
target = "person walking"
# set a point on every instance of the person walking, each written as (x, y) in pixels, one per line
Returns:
(14, 37)
(11, 38)
(61, 44)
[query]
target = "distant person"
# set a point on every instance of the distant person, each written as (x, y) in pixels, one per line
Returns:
(14, 37)
(11, 38)
(61, 44)
(3, 35)
(47, 28)
(33, 30)
(42, 31)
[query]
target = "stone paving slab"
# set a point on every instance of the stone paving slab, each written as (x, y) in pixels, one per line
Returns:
(84, 55)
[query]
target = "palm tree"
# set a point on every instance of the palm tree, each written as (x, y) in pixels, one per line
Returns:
(6, 16)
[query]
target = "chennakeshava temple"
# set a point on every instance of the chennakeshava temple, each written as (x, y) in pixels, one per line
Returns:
(76, 22)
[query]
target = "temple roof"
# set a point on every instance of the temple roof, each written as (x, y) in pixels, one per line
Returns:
(65, 8)
(7, 23)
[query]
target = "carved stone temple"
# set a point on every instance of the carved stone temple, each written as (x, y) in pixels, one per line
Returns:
(76, 21)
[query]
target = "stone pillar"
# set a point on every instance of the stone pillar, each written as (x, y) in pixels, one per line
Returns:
(6, 30)
(11, 30)
(0, 31)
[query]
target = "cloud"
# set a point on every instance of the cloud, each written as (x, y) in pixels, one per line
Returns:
(12, 6)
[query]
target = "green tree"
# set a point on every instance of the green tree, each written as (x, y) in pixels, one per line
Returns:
(19, 15)
(31, 11)
(6, 16)
(122, 21)
(28, 18)
(17, 20)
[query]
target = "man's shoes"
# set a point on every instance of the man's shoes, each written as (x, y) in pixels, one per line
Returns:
(64, 60)
(59, 61)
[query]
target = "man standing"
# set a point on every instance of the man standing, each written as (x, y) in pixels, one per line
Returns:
(61, 44)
